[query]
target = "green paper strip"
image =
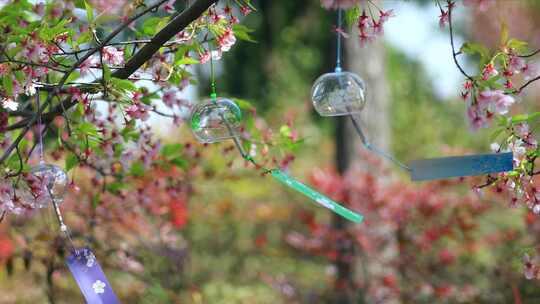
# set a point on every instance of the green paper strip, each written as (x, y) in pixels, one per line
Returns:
(316, 196)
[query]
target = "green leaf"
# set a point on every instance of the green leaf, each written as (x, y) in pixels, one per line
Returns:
(471, 48)
(186, 60)
(517, 45)
(73, 76)
(180, 163)
(285, 131)
(496, 134)
(525, 117)
(242, 32)
(244, 105)
(115, 186)
(71, 161)
(153, 25)
(137, 169)
(123, 84)
(8, 84)
(171, 150)
(504, 33)
(86, 128)
(351, 15)
(89, 12)
(106, 73)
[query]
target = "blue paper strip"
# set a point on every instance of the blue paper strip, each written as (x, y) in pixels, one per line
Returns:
(90, 277)
(447, 167)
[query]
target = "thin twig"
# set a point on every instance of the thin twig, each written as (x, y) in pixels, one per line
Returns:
(526, 84)
(454, 53)
(530, 55)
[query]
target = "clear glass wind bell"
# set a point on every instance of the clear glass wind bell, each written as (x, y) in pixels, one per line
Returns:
(49, 182)
(46, 182)
(339, 93)
(216, 120)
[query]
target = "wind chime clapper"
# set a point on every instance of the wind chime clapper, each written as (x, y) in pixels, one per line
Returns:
(53, 184)
(343, 93)
(219, 119)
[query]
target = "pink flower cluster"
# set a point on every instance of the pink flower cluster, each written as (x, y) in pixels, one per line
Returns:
(370, 28)
(112, 55)
(488, 103)
(226, 40)
(138, 110)
(531, 268)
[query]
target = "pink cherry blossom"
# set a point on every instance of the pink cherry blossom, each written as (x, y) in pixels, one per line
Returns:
(477, 119)
(489, 71)
(169, 6)
(516, 64)
(443, 18)
(245, 10)
(170, 98)
(495, 100)
(85, 67)
(205, 56)
(9, 104)
(108, 6)
(226, 40)
(111, 55)
(528, 267)
(385, 15)
(503, 103)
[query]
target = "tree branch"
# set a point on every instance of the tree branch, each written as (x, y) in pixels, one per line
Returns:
(174, 27)
(530, 55)
(527, 83)
(454, 53)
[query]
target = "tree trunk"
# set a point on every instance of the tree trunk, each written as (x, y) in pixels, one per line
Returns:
(369, 64)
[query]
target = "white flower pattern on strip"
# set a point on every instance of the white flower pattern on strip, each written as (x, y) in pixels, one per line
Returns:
(99, 287)
(90, 259)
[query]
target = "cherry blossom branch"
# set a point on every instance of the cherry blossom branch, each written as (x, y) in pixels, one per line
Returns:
(33, 64)
(174, 27)
(179, 23)
(527, 83)
(27, 124)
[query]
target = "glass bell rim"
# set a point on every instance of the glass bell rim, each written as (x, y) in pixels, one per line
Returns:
(237, 112)
(215, 139)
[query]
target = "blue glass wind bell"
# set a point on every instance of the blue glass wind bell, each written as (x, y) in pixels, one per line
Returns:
(49, 185)
(343, 93)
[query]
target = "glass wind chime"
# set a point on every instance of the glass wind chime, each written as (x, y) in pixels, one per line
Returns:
(219, 119)
(50, 186)
(343, 93)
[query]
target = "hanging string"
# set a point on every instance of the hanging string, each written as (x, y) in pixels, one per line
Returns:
(363, 138)
(235, 137)
(339, 32)
(40, 131)
(63, 227)
(373, 148)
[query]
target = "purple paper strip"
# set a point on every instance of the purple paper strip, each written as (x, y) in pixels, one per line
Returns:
(90, 277)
